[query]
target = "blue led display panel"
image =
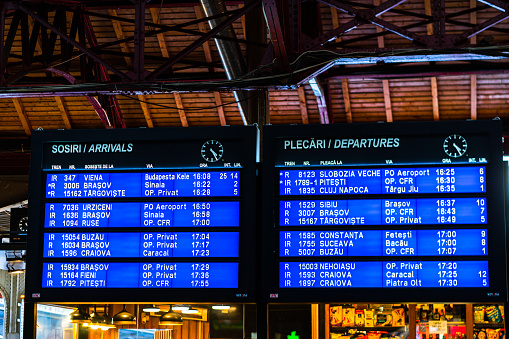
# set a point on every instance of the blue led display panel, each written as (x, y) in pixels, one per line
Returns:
(382, 274)
(141, 245)
(165, 209)
(355, 211)
(136, 185)
(383, 180)
(439, 242)
(434, 211)
(140, 275)
(147, 214)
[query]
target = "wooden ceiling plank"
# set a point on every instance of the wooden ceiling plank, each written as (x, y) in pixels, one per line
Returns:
(346, 98)
(206, 45)
(473, 97)
(387, 100)
(243, 21)
(385, 83)
(180, 107)
(335, 21)
(38, 45)
(473, 77)
(208, 56)
(63, 112)
(427, 11)
(434, 99)
(303, 105)
(22, 116)
(220, 109)
(117, 26)
(429, 31)
(160, 37)
(146, 111)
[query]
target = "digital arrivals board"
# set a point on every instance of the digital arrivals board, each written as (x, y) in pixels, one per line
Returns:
(168, 210)
(399, 212)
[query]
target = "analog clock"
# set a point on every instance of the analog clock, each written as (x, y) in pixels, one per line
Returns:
(23, 224)
(455, 146)
(212, 151)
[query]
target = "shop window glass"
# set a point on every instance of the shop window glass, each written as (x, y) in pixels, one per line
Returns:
(53, 322)
(290, 320)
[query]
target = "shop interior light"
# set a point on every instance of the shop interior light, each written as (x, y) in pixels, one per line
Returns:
(151, 308)
(190, 311)
(100, 321)
(171, 318)
(124, 318)
(220, 307)
(78, 316)
(180, 308)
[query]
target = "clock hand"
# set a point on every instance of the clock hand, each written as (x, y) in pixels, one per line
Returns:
(213, 153)
(457, 148)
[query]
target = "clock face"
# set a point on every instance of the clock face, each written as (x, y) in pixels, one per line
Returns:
(23, 224)
(455, 146)
(212, 151)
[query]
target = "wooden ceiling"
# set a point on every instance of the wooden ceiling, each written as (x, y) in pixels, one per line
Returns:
(34, 96)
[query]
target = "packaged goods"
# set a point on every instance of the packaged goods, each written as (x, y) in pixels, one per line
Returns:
(348, 316)
(383, 319)
(336, 315)
(398, 317)
(369, 320)
(479, 314)
(492, 333)
(359, 317)
(493, 314)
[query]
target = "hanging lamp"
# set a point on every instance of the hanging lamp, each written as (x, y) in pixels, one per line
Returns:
(79, 316)
(171, 318)
(124, 318)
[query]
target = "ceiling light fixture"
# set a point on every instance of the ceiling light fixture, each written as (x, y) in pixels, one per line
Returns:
(220, 307)
(171, 318)
(151, 308)
(124, 318)
(191, 311)
(180, 308)
(79, 316)
(100, 321)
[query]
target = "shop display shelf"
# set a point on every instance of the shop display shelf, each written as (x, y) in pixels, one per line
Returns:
(367, 329)
(489, 325)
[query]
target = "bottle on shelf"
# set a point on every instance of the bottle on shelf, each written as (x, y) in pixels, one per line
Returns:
(448, 312)
(424, 313)
(442, 315)
(430, 312)
(436, 315)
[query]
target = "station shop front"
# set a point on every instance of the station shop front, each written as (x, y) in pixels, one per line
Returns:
(313, 321)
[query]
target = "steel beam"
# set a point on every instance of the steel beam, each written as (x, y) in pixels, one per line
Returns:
(2, 32)
(76, 44)
(456, 40)
(93, 101)
(102, 75)
(165, 28)
(139, 41)
(498, 4)
(276, 34)
(369, 16)
(212, 33)
(11, 35)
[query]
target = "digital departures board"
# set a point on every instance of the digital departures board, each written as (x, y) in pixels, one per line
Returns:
(166, 213)
(413, 210)
(140, 244)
